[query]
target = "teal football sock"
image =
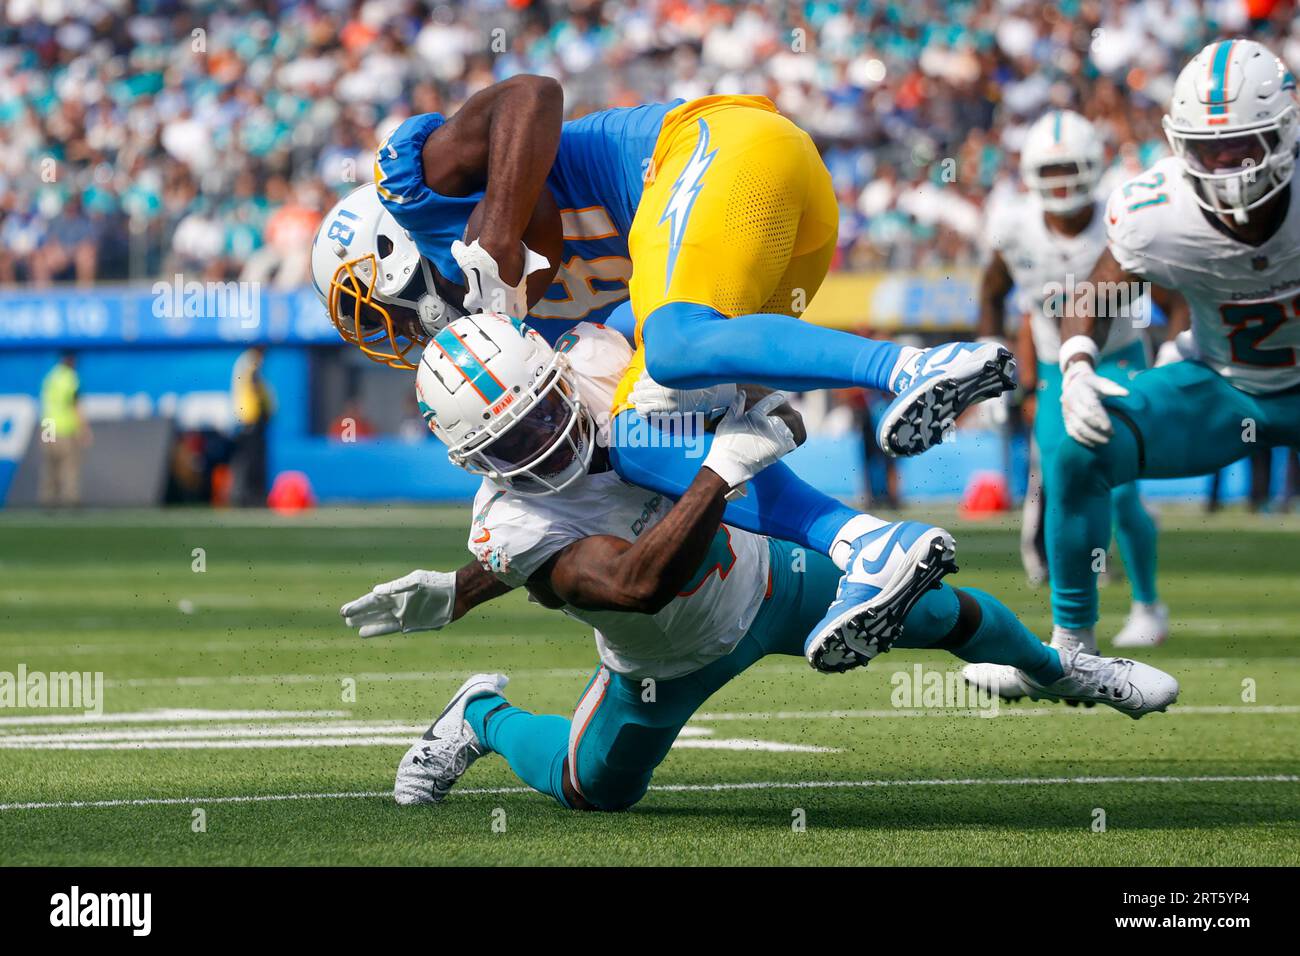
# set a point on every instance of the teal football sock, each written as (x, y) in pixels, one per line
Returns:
(1000, 638)
(534, 745)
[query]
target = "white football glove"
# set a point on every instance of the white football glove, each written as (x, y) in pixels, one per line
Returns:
(1168, 353)
(421, 601)
(487, 292)
(651, 398)
(1181, 348)
(746, 442)
(1086, 420)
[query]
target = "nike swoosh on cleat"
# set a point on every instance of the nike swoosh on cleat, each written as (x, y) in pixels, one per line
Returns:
(869, 564)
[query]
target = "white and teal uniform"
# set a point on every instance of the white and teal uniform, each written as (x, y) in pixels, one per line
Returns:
(751, 596)
(1193, 417)
(1048, 269)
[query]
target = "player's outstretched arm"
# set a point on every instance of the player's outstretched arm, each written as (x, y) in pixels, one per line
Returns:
(503, 141)
(1027, 368)
(1179, 316)
(1084, 329)
(1088, 317)
(995, 286)
(606, 573)
(422, 601)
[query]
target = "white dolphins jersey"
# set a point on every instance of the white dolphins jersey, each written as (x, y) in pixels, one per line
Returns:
(1047, 266)
(513, 535)
(1244, 300)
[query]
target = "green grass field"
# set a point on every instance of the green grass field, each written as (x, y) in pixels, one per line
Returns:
(227, 691)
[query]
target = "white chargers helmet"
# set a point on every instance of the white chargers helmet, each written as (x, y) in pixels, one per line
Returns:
(506, 404)
(380, 292)
(1233, 124)
(1062, 160)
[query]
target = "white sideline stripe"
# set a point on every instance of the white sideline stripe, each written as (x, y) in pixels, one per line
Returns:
(1004, 710)
(171, 715)
(670, 788)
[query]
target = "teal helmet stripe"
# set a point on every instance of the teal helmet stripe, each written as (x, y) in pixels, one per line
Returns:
(1056, 126)
(475, 372)
(1219, 78)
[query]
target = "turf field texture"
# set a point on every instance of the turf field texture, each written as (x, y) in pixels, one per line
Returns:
(244, 724)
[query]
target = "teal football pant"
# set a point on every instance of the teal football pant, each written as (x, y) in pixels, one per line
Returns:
(1177, 421)
(1134, 527)
(623, 728)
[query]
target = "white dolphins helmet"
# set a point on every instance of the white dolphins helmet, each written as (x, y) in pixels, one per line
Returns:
(505, 404)
(379, 290)
(1232, 122)
(1062, 160)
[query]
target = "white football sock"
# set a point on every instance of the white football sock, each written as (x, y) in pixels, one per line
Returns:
(908, 356)
(1084, 638)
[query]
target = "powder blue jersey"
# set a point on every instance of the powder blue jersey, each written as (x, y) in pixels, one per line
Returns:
(597, 181)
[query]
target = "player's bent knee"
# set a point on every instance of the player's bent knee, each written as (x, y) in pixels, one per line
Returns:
(933, 617)
(614, 796)
(1076, 467)
(675, 353)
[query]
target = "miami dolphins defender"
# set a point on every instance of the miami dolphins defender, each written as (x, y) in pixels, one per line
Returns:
(716, 220)
(681, 602)
(1042, 244)
(1219, 221)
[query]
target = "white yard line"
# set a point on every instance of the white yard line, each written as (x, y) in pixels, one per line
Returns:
(773, 667)
(739, 743)
(329, 728)
(673, 788)
(247, 679)
(260, 743)
(346, 739)
(168, 715)
(327, 733)
(1004, 710)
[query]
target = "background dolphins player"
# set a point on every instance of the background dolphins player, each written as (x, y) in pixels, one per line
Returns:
(1041, 245)
(681, 602)
(1219, 222)
(503, 163)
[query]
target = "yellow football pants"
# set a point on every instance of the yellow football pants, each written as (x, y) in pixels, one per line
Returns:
(739, 215)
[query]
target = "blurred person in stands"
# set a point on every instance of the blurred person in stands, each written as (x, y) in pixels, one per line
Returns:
(64, 434)
(285, 261)
(253, 406)
(70, 245)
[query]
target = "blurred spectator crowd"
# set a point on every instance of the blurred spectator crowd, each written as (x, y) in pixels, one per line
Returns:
(139, 138)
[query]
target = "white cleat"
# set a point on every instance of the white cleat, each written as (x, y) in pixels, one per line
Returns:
(1128, 686)
(935, 386)
(1000, 679)
(1147, 626)
(888, 571)
(438, 759)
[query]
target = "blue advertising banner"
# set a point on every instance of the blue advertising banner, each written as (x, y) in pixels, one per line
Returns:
(168, 312)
